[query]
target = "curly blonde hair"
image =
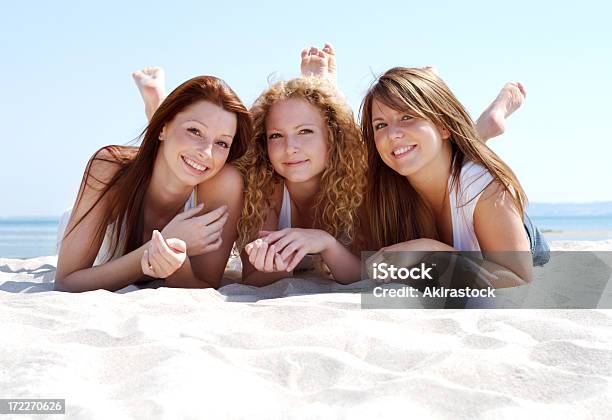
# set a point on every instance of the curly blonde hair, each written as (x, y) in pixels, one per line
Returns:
(342, 182)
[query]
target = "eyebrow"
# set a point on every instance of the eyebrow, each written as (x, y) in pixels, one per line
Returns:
(296, 127)
(200, 122)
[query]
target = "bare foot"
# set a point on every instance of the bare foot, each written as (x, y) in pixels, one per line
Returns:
(319, 63)
(151, 82)
(492, 122)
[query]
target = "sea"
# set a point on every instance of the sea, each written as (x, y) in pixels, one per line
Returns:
(27, 237)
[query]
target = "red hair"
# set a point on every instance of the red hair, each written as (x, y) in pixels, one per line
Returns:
(126, 189)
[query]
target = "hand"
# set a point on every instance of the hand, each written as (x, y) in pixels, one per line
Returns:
(293, 244)
(163, 257)
(201, 234)
(265, 258)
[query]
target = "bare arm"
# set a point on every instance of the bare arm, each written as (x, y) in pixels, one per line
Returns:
(501, 233)
(78, 253)
(226, 188)
(343, 264)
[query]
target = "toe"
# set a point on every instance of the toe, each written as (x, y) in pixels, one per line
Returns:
(329, 49)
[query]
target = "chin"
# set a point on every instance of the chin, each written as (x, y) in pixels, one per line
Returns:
(299, 177)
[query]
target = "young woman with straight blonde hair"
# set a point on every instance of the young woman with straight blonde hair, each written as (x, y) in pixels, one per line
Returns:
(432, 182)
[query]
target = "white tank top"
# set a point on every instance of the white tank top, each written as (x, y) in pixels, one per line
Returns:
(472, 181)
(284, 217)
(104, 252)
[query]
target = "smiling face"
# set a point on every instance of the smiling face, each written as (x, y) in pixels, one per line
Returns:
(195, 144)
(406, 143)
(296, 140)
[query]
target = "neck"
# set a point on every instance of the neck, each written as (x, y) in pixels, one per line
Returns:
(432, 180)
(165, 194)
(303, 193)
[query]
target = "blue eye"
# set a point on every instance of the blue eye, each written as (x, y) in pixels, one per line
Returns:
(223, 144)
(407, 117)
(379, 126)
(193, 130)
(274, 136)
(305, 131)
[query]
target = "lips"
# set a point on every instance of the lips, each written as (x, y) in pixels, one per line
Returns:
(294, 163)
(194, 166)
(400, 152)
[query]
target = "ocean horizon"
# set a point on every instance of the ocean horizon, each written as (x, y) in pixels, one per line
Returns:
(29, 236)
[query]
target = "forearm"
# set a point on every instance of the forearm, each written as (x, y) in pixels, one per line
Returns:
(112, 275)
(184, 277)
(344, 265)
(259, 278)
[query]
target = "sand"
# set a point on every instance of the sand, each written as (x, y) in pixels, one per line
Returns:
(299, 348)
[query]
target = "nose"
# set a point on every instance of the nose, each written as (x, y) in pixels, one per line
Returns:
(395, 132)
(292, 145)
(204, 150)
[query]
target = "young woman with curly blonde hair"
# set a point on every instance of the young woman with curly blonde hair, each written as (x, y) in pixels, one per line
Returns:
(304, 176)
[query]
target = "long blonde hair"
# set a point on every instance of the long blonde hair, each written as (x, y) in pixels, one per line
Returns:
(342, 182)
(396, 212)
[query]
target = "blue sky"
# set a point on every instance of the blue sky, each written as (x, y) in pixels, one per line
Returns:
(67, 89)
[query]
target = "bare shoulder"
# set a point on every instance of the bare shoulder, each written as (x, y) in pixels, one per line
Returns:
(225, 186)
(497, 221)
(495, 198)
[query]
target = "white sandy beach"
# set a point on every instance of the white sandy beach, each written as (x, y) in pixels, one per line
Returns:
(297, 348)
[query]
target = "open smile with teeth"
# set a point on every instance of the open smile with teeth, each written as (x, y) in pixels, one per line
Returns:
(403, 151)
(194, 165)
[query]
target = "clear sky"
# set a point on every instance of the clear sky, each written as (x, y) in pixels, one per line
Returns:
(66, 87)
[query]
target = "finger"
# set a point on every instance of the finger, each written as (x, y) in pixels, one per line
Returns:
(168, 258)
(296, 259)
(269, 259)
(189, 213)
(218, 224)
(253, 255)
(261, 256)
(248, 248)
(211, 216)
(304, 53)
(209, 239)
(275, 235)
(159, 266)
(284, 241)
(313, 51)
(329, 48)
(147, 270)
(176, 245)
(279, 263)
(214, 246)
(289, 249)
(157, 259)
(264, 233)
(162, 246)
